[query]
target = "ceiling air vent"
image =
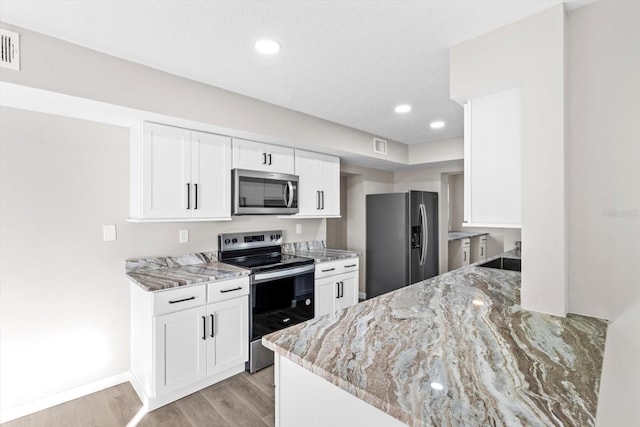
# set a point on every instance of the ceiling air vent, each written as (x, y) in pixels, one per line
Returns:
(10, 50)
(379, 146)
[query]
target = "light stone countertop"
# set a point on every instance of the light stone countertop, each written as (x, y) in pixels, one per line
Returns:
(317, 251)
(499, 364)
(160, 273)
(457, 235)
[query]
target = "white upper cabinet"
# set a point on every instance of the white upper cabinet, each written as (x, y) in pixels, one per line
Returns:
(263, 157)
(492, 165)
(179, 174)
(319, 185)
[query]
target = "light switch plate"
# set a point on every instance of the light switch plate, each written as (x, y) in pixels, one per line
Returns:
(184, 236)
(109, 232)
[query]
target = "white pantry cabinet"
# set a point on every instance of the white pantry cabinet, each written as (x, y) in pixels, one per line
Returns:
(492, 164)
(336, 284)
(179, 174)
(319, 185)
(188, 338)
(259, 156)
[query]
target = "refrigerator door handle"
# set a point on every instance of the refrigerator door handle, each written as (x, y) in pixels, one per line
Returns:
(424, 232)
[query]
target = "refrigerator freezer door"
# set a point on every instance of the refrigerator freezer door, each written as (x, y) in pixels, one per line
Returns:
(388, 243)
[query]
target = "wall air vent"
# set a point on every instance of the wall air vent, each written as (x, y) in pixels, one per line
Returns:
(379, 146)
(9, 50)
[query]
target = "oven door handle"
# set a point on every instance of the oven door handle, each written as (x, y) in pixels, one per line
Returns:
(286, 272)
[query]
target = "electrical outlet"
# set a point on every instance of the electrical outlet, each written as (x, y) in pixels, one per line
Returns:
(298, 228)
(109, 232)
(184, 236)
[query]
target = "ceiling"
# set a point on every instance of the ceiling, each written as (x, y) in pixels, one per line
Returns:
(350, 62)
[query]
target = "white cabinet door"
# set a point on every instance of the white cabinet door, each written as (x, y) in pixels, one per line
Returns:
(492, 165)
(348, 289)
(325, 295)
(228, 340)
(336, 293)
(210, 175)
(180, 343)
(263, 157)
(319, 185)
(166, 166)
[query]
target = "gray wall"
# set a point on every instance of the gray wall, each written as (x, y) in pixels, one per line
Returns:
(64, 307)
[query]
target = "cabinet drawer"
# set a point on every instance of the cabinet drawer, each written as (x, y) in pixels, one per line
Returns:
(466, 243)
(227, 289)
(178, 299)
(332, 268)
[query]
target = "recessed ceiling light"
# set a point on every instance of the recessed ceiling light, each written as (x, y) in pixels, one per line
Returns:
(404, 108)
(437, 124)
(437, 386)
(268, 47)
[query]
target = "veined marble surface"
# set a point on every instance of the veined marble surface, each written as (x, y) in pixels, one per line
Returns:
(497, 364)
(158, 273)
(317, 251)
(457, 235)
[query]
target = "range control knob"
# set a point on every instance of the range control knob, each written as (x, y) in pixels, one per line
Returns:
(273, 237)
(278, 236)
(227, 241)
(234, 240)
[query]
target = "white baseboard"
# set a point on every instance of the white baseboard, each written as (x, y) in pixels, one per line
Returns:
(8, 414)
(362, 295)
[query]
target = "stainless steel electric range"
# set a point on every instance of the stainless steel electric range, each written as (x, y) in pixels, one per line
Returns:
(282, 286)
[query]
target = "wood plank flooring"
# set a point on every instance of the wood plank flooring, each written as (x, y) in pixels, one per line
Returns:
(241, 401)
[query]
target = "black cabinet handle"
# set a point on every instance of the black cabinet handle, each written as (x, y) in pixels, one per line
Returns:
(269, 159)
(224, 291)
(322, 193)
(204, 328)
(349, 266)
(337, 290)
(341, 289)
(213, 326)
(264, 158)
(481, 250)
(328, 269)
(181, 300)
(188, 196)
(196, 191)
(318, 200)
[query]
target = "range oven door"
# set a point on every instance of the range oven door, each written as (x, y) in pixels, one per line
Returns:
(264, 193)
(281, 298)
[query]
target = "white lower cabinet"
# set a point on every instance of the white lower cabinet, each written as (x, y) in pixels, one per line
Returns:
(459, 253)
(186, 339)
(478, 248)
(336, 286)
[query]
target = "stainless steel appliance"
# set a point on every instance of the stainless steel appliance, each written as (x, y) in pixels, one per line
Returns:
(263, 193)
(282, 287)
(402, 240)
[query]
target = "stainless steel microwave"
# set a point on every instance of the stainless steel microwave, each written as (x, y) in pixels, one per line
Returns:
(264, 193)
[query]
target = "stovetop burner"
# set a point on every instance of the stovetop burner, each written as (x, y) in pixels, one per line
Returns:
(257, 251)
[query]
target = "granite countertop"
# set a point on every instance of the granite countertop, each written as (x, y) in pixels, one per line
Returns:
(159, 273)
(457, 235)
(317, 251)
(498, 364)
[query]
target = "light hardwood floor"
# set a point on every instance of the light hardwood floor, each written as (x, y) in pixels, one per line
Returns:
(243, 400)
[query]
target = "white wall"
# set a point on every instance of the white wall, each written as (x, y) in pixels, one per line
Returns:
(58, 66)
(603, 154)
(529, 54)
(64, 311)
(337, 227)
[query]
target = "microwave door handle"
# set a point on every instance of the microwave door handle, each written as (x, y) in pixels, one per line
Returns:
(290, 187)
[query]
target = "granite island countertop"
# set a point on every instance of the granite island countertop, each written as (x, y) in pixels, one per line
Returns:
(317, 251)
(159, 273)
(458, 235)
(498, 364)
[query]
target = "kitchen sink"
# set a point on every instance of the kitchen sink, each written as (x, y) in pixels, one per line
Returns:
(503, 264)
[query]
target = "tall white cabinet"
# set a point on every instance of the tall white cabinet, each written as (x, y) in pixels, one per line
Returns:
(179, 174)
(319, 186)
(492, 165)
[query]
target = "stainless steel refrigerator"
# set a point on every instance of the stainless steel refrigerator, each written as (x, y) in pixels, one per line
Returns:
(402, 240)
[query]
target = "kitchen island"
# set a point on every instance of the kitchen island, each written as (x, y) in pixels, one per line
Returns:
(453, 350)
